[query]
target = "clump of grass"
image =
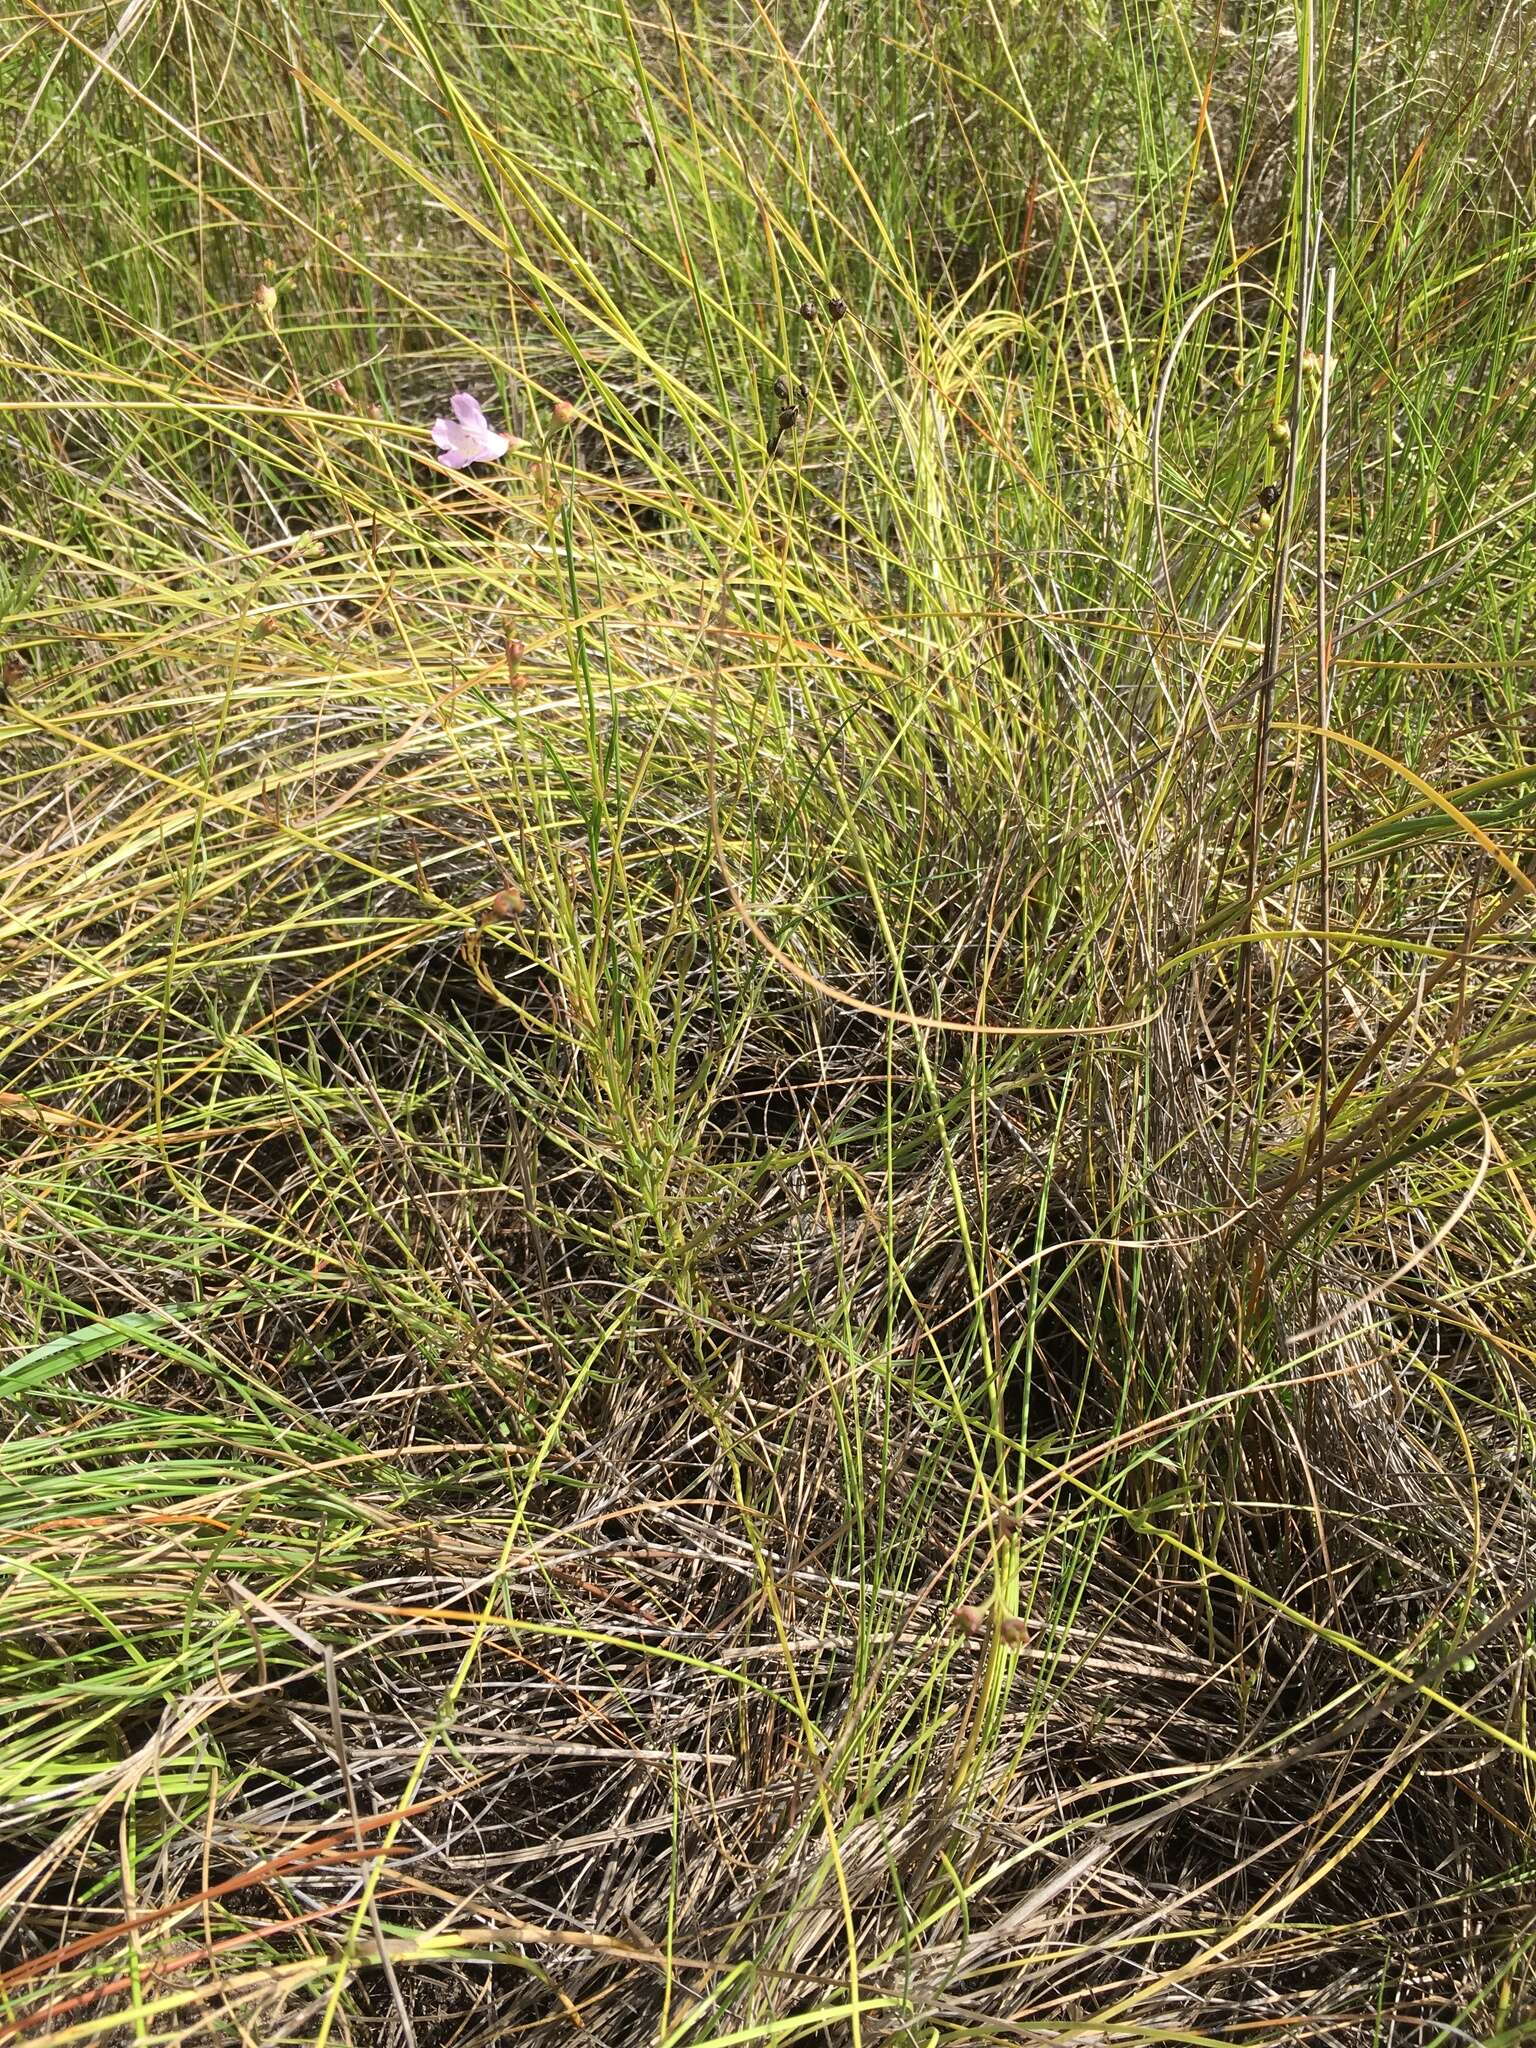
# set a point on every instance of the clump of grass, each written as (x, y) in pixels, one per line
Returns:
(766, 1255)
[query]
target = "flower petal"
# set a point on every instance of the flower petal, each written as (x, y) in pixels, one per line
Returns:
(469, 436)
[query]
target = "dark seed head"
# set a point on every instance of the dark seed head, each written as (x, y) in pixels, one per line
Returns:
(781, 387)
(836, 309)
(1269, 497)
(807, 309)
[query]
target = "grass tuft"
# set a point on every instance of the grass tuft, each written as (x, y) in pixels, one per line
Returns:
(766, 1256)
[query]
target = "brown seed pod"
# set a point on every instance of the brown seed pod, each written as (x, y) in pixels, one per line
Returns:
(1014, 1629)
(971, 1621)
(506, 903)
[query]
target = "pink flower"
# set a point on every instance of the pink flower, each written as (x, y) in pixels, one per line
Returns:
(468, 436)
